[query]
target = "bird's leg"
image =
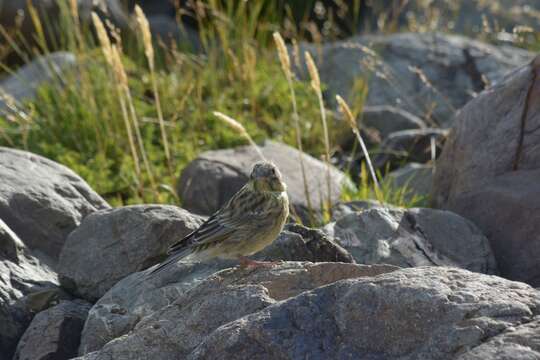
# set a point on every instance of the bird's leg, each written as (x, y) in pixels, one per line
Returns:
(248, 263)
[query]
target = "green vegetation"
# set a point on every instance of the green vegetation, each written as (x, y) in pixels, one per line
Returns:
(118, 137)
(80, 123)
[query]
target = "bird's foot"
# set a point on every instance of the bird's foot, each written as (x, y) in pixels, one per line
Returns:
(248, 263)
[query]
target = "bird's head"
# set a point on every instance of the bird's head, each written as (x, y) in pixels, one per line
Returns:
(265, 176)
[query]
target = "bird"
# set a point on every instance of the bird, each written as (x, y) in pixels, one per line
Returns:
(251, 220)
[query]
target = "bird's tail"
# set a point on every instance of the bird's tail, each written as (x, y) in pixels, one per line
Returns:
(173, 257)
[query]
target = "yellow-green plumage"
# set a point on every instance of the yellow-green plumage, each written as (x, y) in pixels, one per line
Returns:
(250, 221)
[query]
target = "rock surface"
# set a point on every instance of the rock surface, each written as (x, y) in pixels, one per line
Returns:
(298, 243)
(455, 66)
(24, 83)
(422, 313)
(42, 201)
(178, 326)
(20, 275)
(413, 237)
(215, 176)
(137, 295)
(488, 171)
(113, 243)
(409, 146)
(417, 178)
(389, 119)
(58, 330)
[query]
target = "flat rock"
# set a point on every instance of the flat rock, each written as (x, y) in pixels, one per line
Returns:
(175, 329)
(456, 69)
(214, 177)
(418, 313)
(113, 243)
(43, 201)
(488, 171)
(139, 295)
(413, 237)
(54, 333)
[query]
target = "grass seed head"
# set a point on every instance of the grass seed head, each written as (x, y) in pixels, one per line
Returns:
(144, 28)
(313, 72)
(283, 54)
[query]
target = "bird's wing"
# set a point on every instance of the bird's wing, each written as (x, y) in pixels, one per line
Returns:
(245, 209)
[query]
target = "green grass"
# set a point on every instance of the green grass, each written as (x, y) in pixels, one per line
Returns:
(80, 122)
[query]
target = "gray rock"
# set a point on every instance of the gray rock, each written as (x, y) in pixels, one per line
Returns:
(488, 171)
(177, 328)
(42, 201)
(409, 146)
(113, 243)
(455, 66)
(389, 119)
(345, 208)
(23, 85)
(138, 295)
(519, 342)
(20, 274)
(54, 333)
(166, 29)
(299, 243)
(416, 178)
(413, 237)
(215, 176)
(423, 313)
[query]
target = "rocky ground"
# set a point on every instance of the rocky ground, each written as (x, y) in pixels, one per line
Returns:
(377, 282)
(455, 281)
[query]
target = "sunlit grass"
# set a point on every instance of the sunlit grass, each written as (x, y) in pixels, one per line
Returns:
(132, 114)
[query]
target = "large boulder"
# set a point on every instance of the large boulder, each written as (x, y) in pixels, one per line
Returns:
(54, 333)
(488, 171)
(113, 243)
(215, 176)
(180, 325)
(413, 237)
(455, 69)
(423, 313)
(139, 295)
(21, 274)
(43, 201)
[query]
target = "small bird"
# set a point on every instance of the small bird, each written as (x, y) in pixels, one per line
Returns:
(246, 224)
